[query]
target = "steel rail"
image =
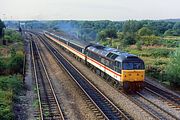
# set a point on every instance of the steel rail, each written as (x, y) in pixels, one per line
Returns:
(56, 54)
(49, 83)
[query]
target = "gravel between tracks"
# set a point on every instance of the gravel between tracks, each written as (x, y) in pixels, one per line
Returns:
(135, 111)
(159, 85)
(24, 110)
(67, 91)
(160, 103)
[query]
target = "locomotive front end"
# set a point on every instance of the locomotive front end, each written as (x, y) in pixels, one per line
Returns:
(133, 74)
(133, 80)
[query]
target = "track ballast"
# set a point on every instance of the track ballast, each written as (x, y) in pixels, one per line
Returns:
(49, 108)
(105, 106)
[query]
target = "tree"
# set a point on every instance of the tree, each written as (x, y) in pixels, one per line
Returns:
(102, 35)
(129, 38)
(169, 32)
(139, 45)
(173, 67)
(2, 66)
(108, 33)
(149, 40)
(2, 26)
(176, 28)
(111, 33)
(16, 62)
(144, 31)
(131, 26)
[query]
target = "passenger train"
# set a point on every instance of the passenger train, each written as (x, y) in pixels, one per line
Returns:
(125, 69)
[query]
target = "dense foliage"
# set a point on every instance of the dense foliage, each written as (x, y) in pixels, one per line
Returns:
(173, 68)
(88, 30)
(11, 65)
(10, 86)
(12, 36)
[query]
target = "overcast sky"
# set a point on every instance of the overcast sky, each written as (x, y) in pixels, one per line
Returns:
(89, 9)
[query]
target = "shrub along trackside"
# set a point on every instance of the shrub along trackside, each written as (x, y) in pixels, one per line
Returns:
(10, 87)
(158, 58)
(11, 67)
(173, 68)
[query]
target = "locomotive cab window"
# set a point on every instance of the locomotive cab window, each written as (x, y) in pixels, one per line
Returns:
(135, 65)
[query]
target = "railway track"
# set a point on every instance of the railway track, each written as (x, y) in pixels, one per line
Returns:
(49, 108)
(171, 99)
(147, 105)
(152, 107)
(139, 99)
(154, 110)
(107, 110)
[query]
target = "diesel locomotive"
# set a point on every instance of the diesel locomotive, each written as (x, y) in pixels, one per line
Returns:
(125, 69)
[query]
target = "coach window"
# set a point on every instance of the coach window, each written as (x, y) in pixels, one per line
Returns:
(107, 62)
(82, 50)
(102, 60)
(88, 53)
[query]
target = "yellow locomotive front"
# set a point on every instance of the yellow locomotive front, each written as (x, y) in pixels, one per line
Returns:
(133, 74)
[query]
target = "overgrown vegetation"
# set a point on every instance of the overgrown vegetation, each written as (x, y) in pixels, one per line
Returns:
(11, 65)
(173, 67)
(10, 86)
(155, 48)
(12, 36)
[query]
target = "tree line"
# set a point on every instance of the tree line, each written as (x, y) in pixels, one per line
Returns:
(88, 30)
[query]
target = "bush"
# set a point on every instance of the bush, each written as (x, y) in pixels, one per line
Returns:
(159, 52)
(133, 51)
(12, 36)
(2, 66)
(153, 71)
(10, 86)
(6, 105)
(15, 64)
(139, 45)
(150, 40)
(173, 67)
(129, 39)
(8, 38)
(170, 42)
(105, 42)
(11, 83)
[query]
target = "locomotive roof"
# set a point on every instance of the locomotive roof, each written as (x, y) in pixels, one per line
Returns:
(111, 53)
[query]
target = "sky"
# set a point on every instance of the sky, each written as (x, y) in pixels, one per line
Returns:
(116, 10)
